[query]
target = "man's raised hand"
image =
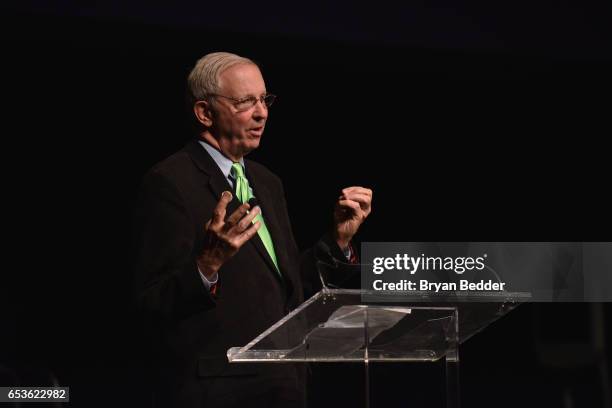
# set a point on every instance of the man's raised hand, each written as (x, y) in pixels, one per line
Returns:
(224, 236)
(352, 208)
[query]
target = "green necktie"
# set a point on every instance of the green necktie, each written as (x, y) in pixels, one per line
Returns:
(244, 195)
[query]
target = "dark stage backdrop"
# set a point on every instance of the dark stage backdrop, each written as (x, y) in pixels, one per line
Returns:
(458, 143)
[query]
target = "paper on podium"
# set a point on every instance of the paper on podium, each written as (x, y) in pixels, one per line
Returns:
(344, 332)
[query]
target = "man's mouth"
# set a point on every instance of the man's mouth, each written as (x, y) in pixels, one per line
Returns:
(256, 130)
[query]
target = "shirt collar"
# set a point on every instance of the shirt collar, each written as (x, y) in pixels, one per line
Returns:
(223, 162)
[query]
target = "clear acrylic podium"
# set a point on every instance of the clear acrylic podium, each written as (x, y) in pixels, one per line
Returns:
(336, 325)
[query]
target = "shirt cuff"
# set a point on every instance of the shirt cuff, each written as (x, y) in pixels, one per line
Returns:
(347, 252)
(209, 283)
(350, 254)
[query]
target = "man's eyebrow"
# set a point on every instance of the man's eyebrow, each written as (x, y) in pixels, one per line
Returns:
(253, 96)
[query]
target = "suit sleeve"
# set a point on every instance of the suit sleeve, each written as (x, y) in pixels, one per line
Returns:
(167, 282)
(314, 258)
(309, 259)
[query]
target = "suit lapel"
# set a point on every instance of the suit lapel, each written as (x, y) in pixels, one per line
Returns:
(265, 200)
(217, 181)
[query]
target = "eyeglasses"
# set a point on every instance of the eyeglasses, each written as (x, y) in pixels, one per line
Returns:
(247, 103)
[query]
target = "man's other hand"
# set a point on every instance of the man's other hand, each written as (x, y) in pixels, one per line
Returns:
(352, 208)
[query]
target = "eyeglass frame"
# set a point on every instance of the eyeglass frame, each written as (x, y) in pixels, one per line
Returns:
(261, 99)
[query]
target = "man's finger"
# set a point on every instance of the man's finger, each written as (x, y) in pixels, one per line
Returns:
(359, 197)
(220, 209)
(237, 215)
(350, 205)
(357, 189)
(248, 233)
(246, 221)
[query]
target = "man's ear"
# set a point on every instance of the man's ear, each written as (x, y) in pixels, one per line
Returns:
(203, 113)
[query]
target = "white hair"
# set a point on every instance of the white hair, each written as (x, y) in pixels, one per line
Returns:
(203, 79)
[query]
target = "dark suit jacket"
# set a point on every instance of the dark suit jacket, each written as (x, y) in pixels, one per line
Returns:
(188, 330)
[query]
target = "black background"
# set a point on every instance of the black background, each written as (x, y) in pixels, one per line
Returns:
(493, 132)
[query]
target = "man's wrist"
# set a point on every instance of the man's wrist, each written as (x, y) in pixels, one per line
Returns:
(209, 272)
(343, 243)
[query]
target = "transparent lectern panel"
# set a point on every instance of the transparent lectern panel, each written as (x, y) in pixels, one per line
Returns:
(336, 325)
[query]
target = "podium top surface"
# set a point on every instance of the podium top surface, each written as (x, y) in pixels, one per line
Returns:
(336, 325)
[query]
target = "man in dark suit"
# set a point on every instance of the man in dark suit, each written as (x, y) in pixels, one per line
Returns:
(213, 267)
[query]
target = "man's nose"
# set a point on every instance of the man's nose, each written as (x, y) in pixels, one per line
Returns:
(261, 110)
